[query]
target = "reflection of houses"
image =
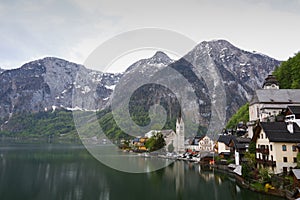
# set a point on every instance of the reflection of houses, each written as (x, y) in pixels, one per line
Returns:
(276, 144)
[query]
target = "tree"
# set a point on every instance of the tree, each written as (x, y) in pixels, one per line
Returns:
(252, 148)
(242, 115)
(288, 74)
(156, 142)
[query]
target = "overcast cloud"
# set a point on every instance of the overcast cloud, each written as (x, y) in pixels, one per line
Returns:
(72, 29)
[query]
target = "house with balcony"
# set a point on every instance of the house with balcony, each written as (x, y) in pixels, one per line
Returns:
(267, 103)
(276, 145)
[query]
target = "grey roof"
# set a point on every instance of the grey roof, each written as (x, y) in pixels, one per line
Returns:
(225, 139)
(277, 132)
(287, 96)
(296, 173)
(295, 110)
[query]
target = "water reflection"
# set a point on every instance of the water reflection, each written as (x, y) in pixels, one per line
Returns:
(69, 172)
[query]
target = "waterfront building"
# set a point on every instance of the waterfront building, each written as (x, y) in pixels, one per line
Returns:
(206, 144)
(276, 145)
(267, 103)
(179, 139)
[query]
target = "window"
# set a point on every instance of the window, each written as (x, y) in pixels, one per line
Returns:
(284, 159)
(295, 159)
(294, 148)
(271, 158)
(271, 148)
(284, 147)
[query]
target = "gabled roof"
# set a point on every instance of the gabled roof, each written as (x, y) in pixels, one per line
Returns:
(225, 139)
(287, 96)
(278, 132)
(241, 142)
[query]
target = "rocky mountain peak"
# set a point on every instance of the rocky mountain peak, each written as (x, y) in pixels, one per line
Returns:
(159, 59)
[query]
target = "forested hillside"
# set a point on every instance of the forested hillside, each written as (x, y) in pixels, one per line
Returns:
(288, 73)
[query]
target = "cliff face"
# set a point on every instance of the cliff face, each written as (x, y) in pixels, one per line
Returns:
(48, 83)
(213, 75)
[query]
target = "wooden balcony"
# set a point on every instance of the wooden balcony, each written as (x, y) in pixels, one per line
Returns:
(266, 162)
(263, 151)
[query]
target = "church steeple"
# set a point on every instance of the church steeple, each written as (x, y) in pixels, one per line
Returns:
(271, 83)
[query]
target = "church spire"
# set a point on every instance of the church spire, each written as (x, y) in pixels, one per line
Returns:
(271, 83)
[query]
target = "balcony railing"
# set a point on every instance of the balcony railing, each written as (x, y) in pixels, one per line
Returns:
(266, 162)
(263, 151)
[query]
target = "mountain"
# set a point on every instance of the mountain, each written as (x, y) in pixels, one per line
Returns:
(1, 70)
(215, 78)
(48, 83)
(210, 83)
(231, 71)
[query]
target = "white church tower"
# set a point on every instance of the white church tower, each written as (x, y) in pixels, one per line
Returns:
(179, 138)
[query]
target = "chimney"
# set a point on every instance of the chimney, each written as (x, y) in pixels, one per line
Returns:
(290, 127)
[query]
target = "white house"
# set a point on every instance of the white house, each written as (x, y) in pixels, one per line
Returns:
(276, 145)
(268, 102)
(206, 144)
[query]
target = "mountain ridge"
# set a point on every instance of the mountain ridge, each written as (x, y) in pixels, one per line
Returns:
(211, 67)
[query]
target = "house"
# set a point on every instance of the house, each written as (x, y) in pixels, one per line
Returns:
(231, 145)
(268, 102)
(139, 144)
(193, 143)
(206, 144)
(223, 145)
(238, 147)
(292, 114)
(296, 177)
(276, 145)
(172, 138)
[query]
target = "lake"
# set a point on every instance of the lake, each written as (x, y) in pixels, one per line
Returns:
(69, 172)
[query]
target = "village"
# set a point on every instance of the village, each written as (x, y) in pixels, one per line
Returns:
(263, 153)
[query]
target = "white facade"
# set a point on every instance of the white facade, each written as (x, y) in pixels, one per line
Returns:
(223, 148)
(179, 139)
(283, 154)
(206, 144)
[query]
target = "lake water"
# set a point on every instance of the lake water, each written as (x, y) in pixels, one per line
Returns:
(69, 172)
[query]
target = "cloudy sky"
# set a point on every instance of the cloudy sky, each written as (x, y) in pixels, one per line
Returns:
(72, 29)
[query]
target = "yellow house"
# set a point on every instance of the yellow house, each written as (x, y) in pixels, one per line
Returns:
(276, 145)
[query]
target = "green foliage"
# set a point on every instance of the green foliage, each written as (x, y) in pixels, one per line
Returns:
(264, 175)
(298, 160)
(246, 171)
(156, 142)
(288, 74)
(242, 115)
(257, 186)
(250, 158)
(252, 147)
(41, 124)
